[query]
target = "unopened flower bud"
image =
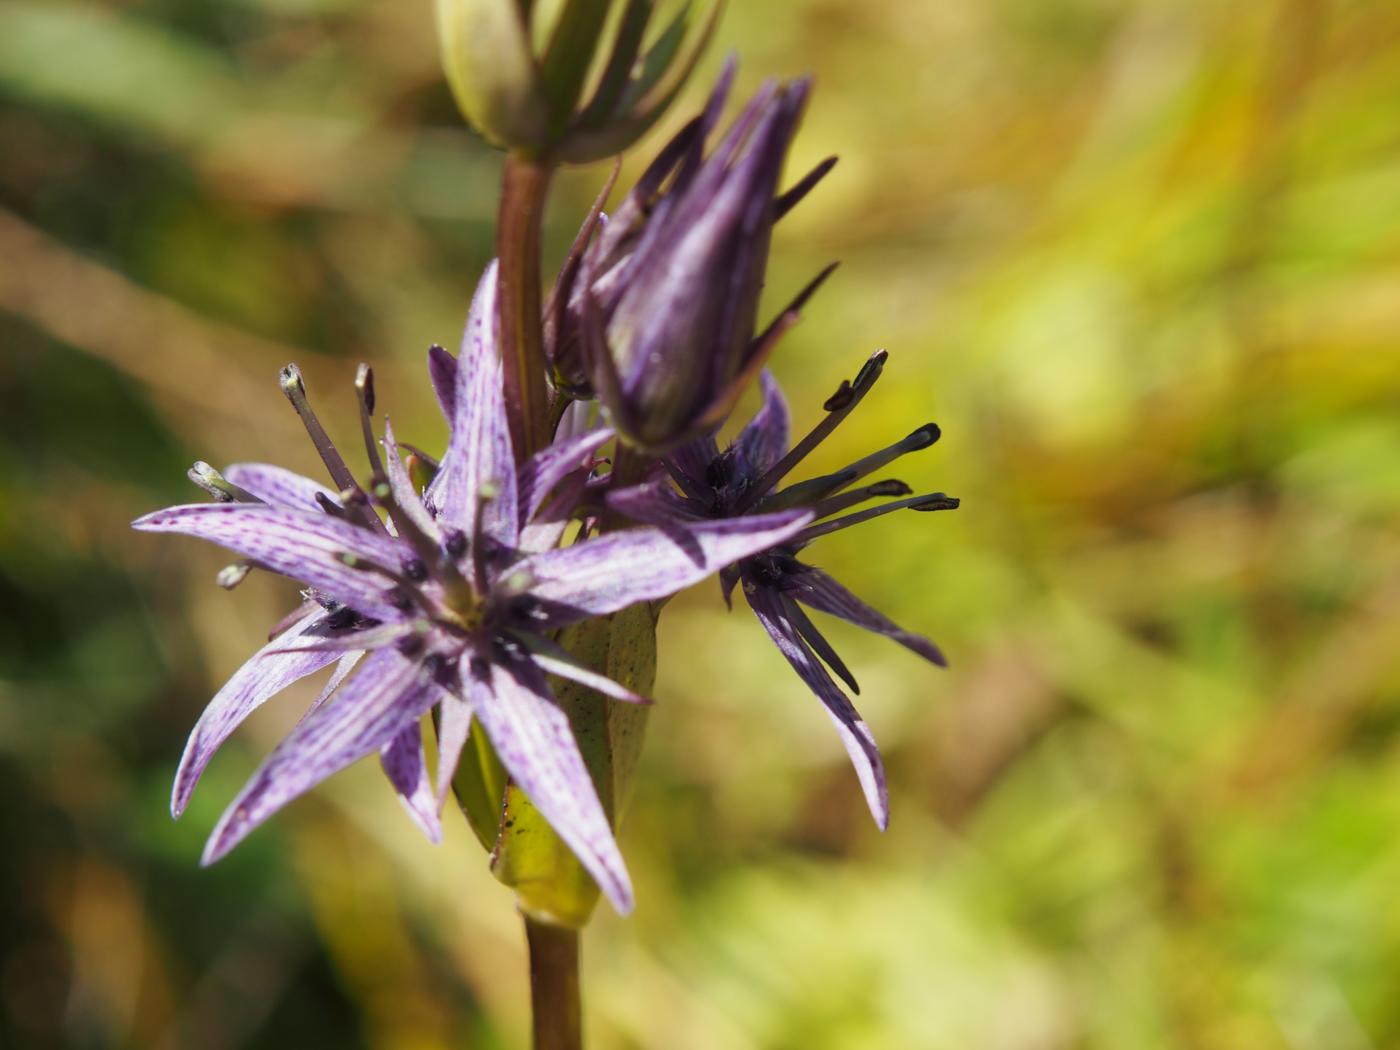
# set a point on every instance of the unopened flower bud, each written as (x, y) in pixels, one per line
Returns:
(657, 313)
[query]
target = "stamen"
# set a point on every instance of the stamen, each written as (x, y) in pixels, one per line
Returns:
(838, 407)
(294, 386)
(214, 483)
(405, 587)
(933, 501)
(364, 390)
(334, 509)
(455, 544)
(836, 504)
(920, 439)
(806, 493)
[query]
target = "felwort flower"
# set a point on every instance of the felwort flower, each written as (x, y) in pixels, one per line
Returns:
(706, 485)
(449, 600)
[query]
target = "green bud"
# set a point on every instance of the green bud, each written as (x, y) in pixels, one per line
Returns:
(575, 80)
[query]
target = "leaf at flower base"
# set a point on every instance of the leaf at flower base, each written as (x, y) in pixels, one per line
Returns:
(479, 784)
(529, 855)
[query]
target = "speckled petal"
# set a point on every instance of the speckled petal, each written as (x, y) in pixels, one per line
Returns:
(544, 470)
(536, 744)
(479, 456)
(407, 769)
(278, 486)
(622, 568)
(306, 545)
(387, 694)
(264, 675)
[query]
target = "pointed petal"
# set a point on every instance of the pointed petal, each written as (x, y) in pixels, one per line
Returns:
(546, 468)
(479, 455)
(815, 640)
(552, 658)
(855, 735)
(306, 545)
(442, 372)
(536, 745)
(407, 769)
(388, 693)
(454, 723)
(546, 530)
(405, 492)
(348, 661)
(814, 588)
(278, 486)
(266, 674)
(693, 459)
(622, 568)
(655, 503)
(764, 439)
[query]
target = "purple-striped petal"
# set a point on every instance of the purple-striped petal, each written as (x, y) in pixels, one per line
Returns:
(479, 459)
(442, 371)
(536, 744)
(693, 460)
(814, 588)
(764, 439)
(548, 467)
(855, 735)
(407, 769)
(342, 671)
(404, 491)
(306, 545)
(388, 693)
(278, 486)
(655, 503)
(454, 723)
(622, 568)
(265, 674)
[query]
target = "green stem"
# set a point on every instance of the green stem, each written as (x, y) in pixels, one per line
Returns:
(554, 994)
(524, 188)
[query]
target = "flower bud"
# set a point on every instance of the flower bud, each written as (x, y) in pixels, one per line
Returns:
(519, 71)
(656, 314)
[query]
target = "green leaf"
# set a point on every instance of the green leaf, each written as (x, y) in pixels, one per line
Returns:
(549, 882)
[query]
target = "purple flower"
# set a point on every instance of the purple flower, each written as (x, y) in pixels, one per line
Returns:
(742, 481)
(449, 600)
(656, 313)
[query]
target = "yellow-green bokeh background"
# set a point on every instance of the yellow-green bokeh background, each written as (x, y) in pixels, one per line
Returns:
(1139, 258)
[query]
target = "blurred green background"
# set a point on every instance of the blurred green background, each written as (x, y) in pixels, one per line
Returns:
(1140, 259)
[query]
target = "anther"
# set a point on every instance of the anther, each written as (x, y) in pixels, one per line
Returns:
(932, 501)
(937, 501)
(219, 487)
(836, 504)
(230, 576)
(455, 544)
(838, 407)
(364, 391)
(294, 386)
(331, 507)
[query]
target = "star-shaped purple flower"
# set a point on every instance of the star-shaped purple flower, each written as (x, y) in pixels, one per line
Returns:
(450, 599)
(706, 485)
